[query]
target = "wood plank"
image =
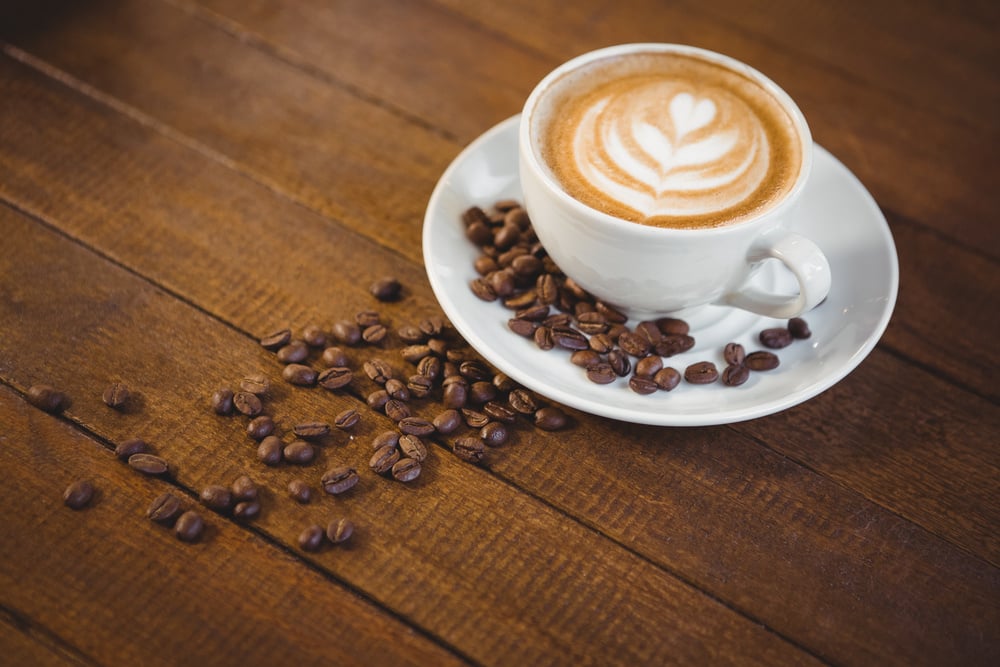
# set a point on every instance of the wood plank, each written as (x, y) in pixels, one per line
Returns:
(595, 440)
(125, 590)
(458, 553)
(23, 644)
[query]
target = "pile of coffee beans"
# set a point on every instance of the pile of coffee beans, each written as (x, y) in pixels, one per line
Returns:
(554, 312)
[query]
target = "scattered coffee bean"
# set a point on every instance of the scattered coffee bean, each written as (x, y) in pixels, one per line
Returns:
(550, 419)
(762, 361)
(383, 459)
(334, 357)
(799, 328)
(311, 430)
(448, 422)
(650, 331)
(277, 339)
(311, 538)
(247, 403)
(544, 339)
(339, 480)
(116, 395)
(189, 526)
(269, 452)
(299, 375)
(500, 411)
(47, 398)
(475, 418)
(494, 434)
(314, 336)
(504, 383)
(244, 489)
(482, 392)
(667, 378)
(339, 531)
(413, 447)
(601, 373)
(335, 377)
(248, 509)
(734, 375)
(702, 372)
(385, 439)
(347, 419)
(672, 344)
(414, 353)
(416, 426)
(377, 400)
(522, 402)
(164, 509)
(585, 358)
(776, 338)
(734, 354)
(347, 333)
(368, 318)
(126, 448)
(455, 394)
(374, 334)
(222, 401)
(294, 353)
(397, 389)
(378, 371)
(470, 449)
(420, 386)
(78, 494)
(619, 362)
(431, 326)
(411, 334)
(217, 498)
(299, 452)
(260, 427)
(430, 367)
(300, 491)
(255, 384)
(642, 385)
(148, 464)
(386, 289)
(601, 343)
(569, 338)
(406, 470)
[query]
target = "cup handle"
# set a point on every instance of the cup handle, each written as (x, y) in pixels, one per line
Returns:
(804, 259)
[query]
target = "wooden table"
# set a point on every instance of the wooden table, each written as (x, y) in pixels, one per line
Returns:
(180, 177)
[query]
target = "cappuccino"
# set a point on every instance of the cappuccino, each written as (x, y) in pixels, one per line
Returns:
(667, 139)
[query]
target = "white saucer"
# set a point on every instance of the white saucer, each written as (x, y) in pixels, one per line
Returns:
(836, 212)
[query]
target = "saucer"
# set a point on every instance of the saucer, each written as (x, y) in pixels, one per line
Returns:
(836, 212)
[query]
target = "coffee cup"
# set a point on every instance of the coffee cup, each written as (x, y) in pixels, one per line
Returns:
(661, 177)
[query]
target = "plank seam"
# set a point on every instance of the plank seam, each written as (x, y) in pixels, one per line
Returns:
(39, 633)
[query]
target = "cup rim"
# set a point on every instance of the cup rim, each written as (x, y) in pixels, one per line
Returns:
(528, 151)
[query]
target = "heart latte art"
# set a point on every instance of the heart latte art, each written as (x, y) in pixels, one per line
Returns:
(668, 140)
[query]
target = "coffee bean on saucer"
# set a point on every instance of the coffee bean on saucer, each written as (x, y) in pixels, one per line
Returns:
(46, 397)
(78, 494)
(601, 373)
(799, 328)
(649, 366)
(189, 526)
(672, 344)
(702, 372)
(311, 538)
(406, 470)
(619, 362)
(672, 325)
(339, 531)
(762, 361)
(776, 338)
(222, 401)
(734, 375)
(667, 378)
(734, 354)
(116, 395)
(126, 448)
(300, 491)
(269, 452)
(386, 289)
(164, 509)
(642, 385)
(634, 344)
(550, 419)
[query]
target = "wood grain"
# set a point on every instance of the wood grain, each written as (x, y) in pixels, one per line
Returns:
(24, 644)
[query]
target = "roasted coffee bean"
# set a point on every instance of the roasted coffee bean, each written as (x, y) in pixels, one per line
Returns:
(78, 494)
(619, 363)
(419, 385)
(601, 343)
(526, 266)
(116, 395)
(448, 422)
(504, 205)
(299, 452)
(243, 488)
(377, 400)
(455, 395)
(334, 357)
(269, 451)
(611, 313)
(475, 418)
(248, 509)
(413, 447)
(386, 439)
(482, 289)
(311, 538)
(346, 333)
(506, 237)
(47, 398)
(535, 313)
(414, 353)
(295, 352)
(374, 334)
(649, 331)
(799, 328)
(522, 402)
(519, 301)
(336, 377)
(383, 459)
(339, 531)
(482, 392)
(569, 338)
(260, 427)
(396, 410)
(416, 426)
(485, 264)
(734, 354)
(339, 480)
(148, 464)
(761, 361)
(547, 289)
(255, 384)
(474, 370)
(311, 430)
(406, 470)
(550, 419)
(578, 292)
(450, 370)
(494, 434)
(378, 370)
(411, 334)
(672, 325)
(438, 346)
(164, 509)
(667, 378)
(300, 491)
(217, 498)
(776, 338)
(386, 289)
(543, 338)
(126, 448)
(601, 373)
(299, 375)
(314, 336)
(503, 382)
(585, 358)
(397, 389)
(367, 318)
(642, 385)
(189, 526)
(647, 367)
(469, 449)
(276, 339)
(701, 372)
(431, 326)
(222, 401)
(616, 330)
(734, 375)
(500, 412)
(479, 233)
(584, 308)
(247, 403)
(475, 214)
(672, 344)
(592, 323)
(347, 419)
(518, 217)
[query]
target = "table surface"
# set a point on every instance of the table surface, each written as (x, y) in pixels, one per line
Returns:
(180, 177)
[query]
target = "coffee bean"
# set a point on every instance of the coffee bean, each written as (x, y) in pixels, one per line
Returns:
(522, 327)
(527, 266)
(547, 289)
(702, 372)
(474, 214)
(116, 395)
(386, 289)
(314, 336)
(601, 373)
(255, 384)
(506, 236)
(126, 448)
(734, 354)
(762, 361)
(47, 398)
(300, 491)
(518, 217)
(601, 343)
(276, 339)
(260, 427)
(522, 402)
(339, 480)
(469, 449)
(799, 328)
(347, 333)
(335, 377)
(776, 338)
(385, 439)
(619, 363)
(295, 352)
(650, 331)
(397, 389)
(334, 357)
(482, 289)
(485, 264)
(217, 498)
(504, 383)
(148, 464)
(416, 426)
(448, 422)
(347, 419)
(78, 494)
(222, 401)
(667, 378)
(378, 370)
(482, 392)
(164, 509)
(189, 526)
(550, 419)
(474, 370)
(432, 326)
(592, 323)
(647, 367)
(494, 434)
(414, 353)
(299, 375)
(455, 395)
(672, 325)
(374, 334)
(248, 509)
(672, 344)
(243, 489)
(269, 451)
(569, 338)
(311, 538)
(396, 410)
(247, 404)
(339, 530)
(543, 338)
(419, 386)
(642, 384)
(299, 452)
(431, 367)
(611, 314)
(584, 358)
(377, 400)
(734, 375)
(500, 412)
(413, 447)
(406, 470)
(311, 430)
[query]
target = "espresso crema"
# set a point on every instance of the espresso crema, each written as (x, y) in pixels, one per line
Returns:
(667, 139)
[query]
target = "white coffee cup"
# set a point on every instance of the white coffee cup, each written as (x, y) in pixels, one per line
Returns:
(649, 271)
